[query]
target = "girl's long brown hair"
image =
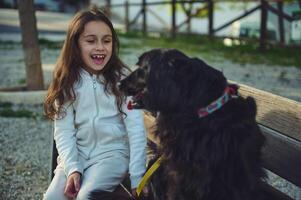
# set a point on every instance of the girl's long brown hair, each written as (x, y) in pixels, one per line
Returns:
(69, 63)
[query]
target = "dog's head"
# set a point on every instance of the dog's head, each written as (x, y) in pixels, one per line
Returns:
(167, 80)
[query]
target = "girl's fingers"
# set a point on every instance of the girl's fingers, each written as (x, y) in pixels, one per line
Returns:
(134, 193)
(145, 191)
(70, 190)
(77, 184)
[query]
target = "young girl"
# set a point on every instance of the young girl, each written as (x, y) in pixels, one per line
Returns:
(97, 138)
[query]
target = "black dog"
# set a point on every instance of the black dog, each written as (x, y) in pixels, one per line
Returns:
(209, 140)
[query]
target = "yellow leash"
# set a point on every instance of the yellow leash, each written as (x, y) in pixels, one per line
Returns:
(147, 175)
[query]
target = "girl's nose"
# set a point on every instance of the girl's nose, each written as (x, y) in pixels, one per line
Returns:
(99, 46)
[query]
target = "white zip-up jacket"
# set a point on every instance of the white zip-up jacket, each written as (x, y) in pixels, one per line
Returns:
(92, 129)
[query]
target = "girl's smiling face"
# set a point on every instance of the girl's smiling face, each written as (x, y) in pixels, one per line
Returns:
(96, 44)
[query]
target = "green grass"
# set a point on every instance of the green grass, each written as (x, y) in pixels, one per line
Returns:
(9, 45)
(274, 55)
(6, 110)
(44, 43)
(5, 104)
(211, 49)
(22, 81)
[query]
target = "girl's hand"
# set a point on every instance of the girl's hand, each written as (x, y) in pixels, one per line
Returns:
(144, 193)
(73, 185)
(134, 193)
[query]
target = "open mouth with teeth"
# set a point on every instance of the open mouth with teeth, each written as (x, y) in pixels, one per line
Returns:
(136, 102)
(98, 59)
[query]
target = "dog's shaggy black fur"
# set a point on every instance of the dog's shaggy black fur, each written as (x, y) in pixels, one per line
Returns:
(217, 157)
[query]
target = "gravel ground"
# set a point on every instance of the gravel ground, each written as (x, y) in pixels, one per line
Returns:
(25, 143)
(25, 155)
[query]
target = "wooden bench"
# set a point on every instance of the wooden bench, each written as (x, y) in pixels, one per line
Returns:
(280, 121)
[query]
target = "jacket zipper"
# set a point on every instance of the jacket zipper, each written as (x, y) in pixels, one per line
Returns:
(97, 112)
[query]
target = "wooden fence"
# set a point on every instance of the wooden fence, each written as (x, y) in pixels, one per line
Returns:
(263, 5)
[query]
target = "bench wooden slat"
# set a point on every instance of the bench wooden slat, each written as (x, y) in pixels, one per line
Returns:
(276, 112)
(282, 155)
(273, 193)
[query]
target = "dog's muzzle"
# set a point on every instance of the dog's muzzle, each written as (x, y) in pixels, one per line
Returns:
(136, 101)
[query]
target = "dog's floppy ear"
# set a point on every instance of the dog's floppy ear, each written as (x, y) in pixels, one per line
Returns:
(251, 106)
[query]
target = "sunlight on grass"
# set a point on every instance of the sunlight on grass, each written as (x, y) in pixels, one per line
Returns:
(212, 49)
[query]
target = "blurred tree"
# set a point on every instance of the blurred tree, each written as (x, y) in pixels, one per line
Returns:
(193, 9)
(86, 3)
(107, 8)
(15, 4)
(187, 11)
(77, 4)
(34, 75)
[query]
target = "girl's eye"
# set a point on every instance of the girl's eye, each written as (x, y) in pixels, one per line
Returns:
(107, 41)
(90, 41)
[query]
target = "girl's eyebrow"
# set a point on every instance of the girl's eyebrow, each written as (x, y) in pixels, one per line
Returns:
(92, 35)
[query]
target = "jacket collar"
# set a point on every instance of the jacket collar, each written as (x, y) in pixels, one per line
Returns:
(85, 73)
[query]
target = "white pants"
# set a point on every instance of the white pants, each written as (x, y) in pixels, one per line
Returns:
(105, 175)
